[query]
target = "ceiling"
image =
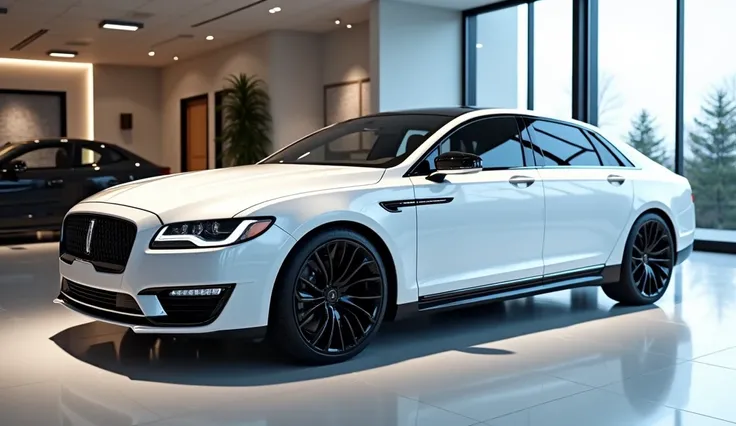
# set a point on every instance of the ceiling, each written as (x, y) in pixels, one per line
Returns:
(171, 27)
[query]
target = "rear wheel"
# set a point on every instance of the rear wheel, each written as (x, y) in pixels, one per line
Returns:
(647, 264)
(331, 298)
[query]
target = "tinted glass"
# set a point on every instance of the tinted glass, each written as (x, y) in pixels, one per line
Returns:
(564, 145)
(99, 156)
(47, 157)
(495, 140)
(374, 141)
(607, 157)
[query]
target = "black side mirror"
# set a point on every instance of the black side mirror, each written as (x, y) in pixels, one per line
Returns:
(455, 163)
(18, 166)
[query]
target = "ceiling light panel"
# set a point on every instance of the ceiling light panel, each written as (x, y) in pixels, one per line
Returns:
(62, 53)
(109, 24)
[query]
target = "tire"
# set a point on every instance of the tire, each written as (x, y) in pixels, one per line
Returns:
(330, 298)
(647, 263)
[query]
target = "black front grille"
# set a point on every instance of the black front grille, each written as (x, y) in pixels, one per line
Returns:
(103, 299)
(110, 243)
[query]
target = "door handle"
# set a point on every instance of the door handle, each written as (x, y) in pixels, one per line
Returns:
(521, 181)
(55, 183)
(615, 179)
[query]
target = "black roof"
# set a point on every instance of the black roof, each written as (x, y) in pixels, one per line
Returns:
(446, 111)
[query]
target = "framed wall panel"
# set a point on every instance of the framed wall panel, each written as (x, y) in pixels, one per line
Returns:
(30, 114)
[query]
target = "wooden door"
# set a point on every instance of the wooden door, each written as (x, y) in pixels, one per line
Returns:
(196, 134)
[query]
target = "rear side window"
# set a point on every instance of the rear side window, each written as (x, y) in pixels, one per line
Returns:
(620, 158)
(563, 145)
(99, 155)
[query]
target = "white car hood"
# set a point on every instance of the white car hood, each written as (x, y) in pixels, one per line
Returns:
(223, 193)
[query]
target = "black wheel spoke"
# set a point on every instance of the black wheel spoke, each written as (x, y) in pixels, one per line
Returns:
(339, 294)
(322, 329)
(310, 284)
(307, 316)
(321, 265)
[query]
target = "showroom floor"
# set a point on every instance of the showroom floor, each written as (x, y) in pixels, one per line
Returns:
(565, 359)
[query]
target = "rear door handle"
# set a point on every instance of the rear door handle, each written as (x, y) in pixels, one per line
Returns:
(55, 183)
(521, 181)
(615, 179)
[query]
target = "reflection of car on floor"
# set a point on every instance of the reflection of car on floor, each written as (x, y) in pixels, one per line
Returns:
(41, 180)
(376, 217)
(632, 347)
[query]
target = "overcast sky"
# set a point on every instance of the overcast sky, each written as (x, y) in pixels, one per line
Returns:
(636, 58)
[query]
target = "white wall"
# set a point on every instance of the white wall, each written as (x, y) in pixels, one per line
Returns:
(346, 54)
(296, 90)
(417, 55)
(205, 74)
(295, 67)
(74, 79)
(135, 90)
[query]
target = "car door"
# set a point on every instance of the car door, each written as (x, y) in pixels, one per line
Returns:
(489, 227)
(34, 198)
(588, 197)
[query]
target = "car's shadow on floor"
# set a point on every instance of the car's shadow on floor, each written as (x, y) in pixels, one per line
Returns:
(236, 363)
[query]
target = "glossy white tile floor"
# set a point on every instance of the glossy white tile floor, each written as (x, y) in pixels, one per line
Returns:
(570, 358)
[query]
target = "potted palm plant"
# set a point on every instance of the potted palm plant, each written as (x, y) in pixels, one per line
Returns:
(246, 131)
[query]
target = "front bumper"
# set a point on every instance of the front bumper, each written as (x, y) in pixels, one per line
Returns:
(138, 297)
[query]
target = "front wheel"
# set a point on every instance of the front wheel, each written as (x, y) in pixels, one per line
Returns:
(647, 264)
(330, 299)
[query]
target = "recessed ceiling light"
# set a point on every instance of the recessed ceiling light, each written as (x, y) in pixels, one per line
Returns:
(62, 53)
(478, 45)
(210, 37)
(349, 26)
(109, 24)
(274, 10)
(176, 58)
(151, 53)
(338, 22)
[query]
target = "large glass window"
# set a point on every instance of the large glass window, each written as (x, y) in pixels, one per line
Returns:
(710, 116)
(553, 57)
(636, 74)
(501, 48)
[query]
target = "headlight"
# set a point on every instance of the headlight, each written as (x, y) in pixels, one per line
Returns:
(209, 233)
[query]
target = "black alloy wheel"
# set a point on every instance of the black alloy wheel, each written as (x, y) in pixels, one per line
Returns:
(338, 296)
(647, 264)
(651, 258)
(334, 294)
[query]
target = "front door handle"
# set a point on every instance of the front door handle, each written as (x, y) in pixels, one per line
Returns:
(521, 181)
(55, 183)
(616, 179)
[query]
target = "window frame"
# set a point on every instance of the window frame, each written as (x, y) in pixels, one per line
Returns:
(412, 171)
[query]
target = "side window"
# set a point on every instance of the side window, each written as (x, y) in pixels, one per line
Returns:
(495, 140)
(620, 158)
(564, 145)
(100, 156)
(607, 157)
(48, 157)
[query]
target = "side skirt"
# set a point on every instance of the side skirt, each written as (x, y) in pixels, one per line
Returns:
(588, 277)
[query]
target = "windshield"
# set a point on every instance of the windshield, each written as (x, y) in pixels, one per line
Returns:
(376, 141)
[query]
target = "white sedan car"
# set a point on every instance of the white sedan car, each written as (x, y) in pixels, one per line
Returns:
(375, 218)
